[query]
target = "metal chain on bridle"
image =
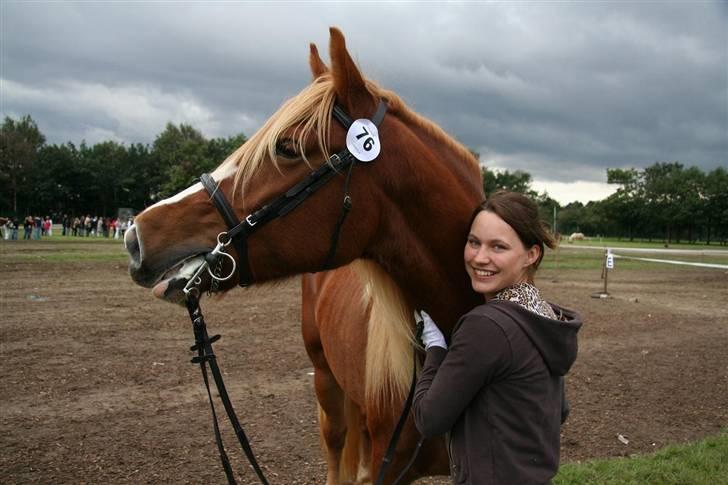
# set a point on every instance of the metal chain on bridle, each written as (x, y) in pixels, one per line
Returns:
(215, 283)
(237, 234)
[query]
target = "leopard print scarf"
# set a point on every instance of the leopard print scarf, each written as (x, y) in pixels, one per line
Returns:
(528, 296)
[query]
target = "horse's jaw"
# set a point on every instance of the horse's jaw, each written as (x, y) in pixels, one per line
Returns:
(171, 286)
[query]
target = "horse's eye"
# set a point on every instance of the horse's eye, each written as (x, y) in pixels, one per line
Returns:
(286, 149)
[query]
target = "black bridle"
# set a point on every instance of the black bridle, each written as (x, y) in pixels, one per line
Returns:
(237, 234)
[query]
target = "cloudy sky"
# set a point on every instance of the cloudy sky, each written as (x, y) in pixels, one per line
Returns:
(562, 90)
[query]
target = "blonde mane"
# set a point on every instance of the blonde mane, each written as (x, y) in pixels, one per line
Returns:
(309, 112)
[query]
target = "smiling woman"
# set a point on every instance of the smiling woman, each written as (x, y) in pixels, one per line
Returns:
(498, 389)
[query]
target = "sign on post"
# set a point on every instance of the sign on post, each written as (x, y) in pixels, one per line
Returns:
(607, 264)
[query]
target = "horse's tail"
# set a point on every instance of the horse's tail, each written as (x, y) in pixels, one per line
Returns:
(351, 453)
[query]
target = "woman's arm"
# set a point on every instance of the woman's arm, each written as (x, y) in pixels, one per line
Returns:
(451, 378)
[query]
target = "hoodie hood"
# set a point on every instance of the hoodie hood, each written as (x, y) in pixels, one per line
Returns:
(554, 339)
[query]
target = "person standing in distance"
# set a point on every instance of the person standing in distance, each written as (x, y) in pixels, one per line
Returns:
(498, 390)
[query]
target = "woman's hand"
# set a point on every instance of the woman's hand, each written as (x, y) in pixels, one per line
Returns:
(431, 335)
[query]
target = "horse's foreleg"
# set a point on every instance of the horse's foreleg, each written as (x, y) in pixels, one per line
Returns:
(364, 472)
(332, 416)
(332, 421)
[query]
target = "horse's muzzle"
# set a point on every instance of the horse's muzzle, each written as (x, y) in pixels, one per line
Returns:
(131, 243)
(136, 269)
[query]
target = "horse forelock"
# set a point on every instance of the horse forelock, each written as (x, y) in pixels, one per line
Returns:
(309, 112)
(390, 336)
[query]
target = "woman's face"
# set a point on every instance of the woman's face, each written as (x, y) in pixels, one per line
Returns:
(495, 257)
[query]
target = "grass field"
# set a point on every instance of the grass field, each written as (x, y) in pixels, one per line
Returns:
(641, 243)
(61, 249)
(572, 259)
(568, 257)
(58, 238)
(703, 462)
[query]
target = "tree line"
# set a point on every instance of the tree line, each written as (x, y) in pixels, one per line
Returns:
(49, 179)
(665, 201)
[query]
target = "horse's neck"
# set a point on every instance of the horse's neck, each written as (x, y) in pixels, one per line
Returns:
(431, 273)
(426, 234)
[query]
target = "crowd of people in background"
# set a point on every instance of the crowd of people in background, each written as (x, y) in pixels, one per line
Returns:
(36, 227)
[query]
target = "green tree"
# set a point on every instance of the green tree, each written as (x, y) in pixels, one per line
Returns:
(624, 207)
(690, 200)
(135, 188)
(587, 219)
(716, 205)
(517, 181)
(569, 218)
(19, 144)
(57, 179)
(104, 166)
(218, 149)
(180, 154)
(548, 209)
(665, 196)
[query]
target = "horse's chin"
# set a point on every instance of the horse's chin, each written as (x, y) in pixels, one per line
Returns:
(170, 287)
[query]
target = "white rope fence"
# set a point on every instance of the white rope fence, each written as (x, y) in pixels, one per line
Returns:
(681, 252)
(610, 256)
(692, 252)
(668, 261)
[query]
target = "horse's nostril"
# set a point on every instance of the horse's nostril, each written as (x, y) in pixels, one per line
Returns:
(132, 245)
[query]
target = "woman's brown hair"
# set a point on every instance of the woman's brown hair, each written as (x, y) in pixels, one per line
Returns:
(521, 213)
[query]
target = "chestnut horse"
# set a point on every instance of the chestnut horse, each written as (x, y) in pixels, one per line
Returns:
(404, 236)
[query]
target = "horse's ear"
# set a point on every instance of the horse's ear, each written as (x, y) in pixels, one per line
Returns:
(317, 65)
(348, 81)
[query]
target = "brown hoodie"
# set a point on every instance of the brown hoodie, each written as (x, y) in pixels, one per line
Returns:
(498, 392)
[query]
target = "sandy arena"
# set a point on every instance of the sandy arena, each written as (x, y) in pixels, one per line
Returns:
(98, 388)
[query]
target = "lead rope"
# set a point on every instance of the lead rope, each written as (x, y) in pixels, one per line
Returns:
(205, 354)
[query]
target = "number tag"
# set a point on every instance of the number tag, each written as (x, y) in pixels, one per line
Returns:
(610, 260)
(362, 140)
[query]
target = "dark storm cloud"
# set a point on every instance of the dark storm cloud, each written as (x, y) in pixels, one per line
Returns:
(560, 90)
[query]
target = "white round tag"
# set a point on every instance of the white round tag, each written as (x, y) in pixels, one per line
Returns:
(362, 140)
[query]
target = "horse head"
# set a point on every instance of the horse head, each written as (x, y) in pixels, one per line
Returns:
(409, 206)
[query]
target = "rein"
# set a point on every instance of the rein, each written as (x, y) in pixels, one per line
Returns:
(237, 234)
(205, 355)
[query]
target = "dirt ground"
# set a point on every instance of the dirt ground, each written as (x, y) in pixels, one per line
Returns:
(97, 386)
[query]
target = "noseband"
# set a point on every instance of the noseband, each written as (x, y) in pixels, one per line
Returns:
(238, 232)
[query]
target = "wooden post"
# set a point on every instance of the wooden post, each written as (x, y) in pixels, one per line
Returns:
(607, 263)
